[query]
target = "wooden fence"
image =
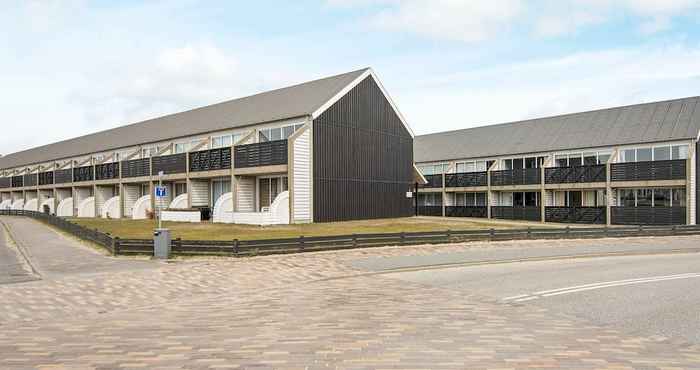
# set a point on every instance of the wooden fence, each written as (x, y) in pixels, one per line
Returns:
(243, 248)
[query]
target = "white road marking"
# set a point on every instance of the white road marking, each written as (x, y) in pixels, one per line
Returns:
(601, 285)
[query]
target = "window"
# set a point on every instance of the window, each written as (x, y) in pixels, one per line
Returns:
(562, 160)
(644, 155)
(460, 199)
(221, 141)
(518, 200)
(470, 199)
(507, 164)
(180, 188)
(629, 155)
(662, 153)
(530, 162)
(180, 148)
(287, 131)
(531, 199)
(481, 166)
(627, 197)
(575, 160)
(461, 167)
(662, 197)
(590, 159)
(425, 170)
(518, 163)
(440, 168)
(679, 152)
(235, 138)
(430, 199)
(678, 197)
(471, 167)
(219, 188)
(603, 158)
(540, 162)
(644, 197)
(480, 200)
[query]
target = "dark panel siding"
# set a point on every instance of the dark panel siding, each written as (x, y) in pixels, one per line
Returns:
(645, 171)
(170, 164)
(363, 158)
(5, 182)
(648, 215)
(136, 167)
(46, 178)
(86, 173)
(261, 154)
(63, 176)
(210, 160)
(17, 181)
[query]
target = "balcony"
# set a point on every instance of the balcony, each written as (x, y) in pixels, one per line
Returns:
(210, 160)
(516, 213)
(463, 211)
(31, 179)
(575, 174)
(524, 176)
(107, 171)
(86, 173)
(433, 181)
(63, 176)
(466, 179)
(649, 171)
(136, 168)
(648, 215)
(269, 153)
(46, 178)
(5, 182)
(169, 164)
(576, 215)
(17, 181)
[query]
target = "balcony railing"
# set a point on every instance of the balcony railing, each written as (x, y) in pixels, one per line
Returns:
(17, 181)
(31, 179)
(5, 182)
(136, 168)
(575, 215)
(169, 164)
(430, 210)
(516, 213)
(524, 176)
(267, 153)
(648, 215)
(434, 181)
(210, 160)
(86, 173)
(575, 174)
(463, 211)
(63, 176)
(107, 171)
(649, 171)
(46, 178)
(466, 179)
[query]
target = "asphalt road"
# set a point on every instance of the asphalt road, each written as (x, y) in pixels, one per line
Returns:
(647, 295)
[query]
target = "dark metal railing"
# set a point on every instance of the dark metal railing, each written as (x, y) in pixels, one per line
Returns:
(648, 215)
(169, 164)
(17, 181)
(466, 179)
(647, 171)
(524, 176)
(107, 171)
(63, 176)
(86, 173)
(575, 174)
(430, 210)
(31, 179)
(267, 153)
(5, 182)
(210, 160)
(464, 211)
(574, 215)
(434, 181)
(516, 213)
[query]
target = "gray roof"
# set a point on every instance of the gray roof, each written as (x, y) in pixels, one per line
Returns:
(289, 102)
(635, 124)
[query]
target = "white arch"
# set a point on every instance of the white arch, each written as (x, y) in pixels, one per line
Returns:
(86, 208)
(141, 205)
(65, 208)
(18, 204)
(223, 209)
(7, 203)
(111, 208)
(180, 202)
(31, 205)
(48, 202)
(279, 209)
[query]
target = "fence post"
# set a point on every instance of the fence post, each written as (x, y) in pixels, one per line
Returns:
(115, 246)
(354, 240)
(301, 242)
(529, 232)
(641, 229)
(235, 246)
(403, 238)
(492, 234)
(568, 231)
(673, 230)
(605, 231)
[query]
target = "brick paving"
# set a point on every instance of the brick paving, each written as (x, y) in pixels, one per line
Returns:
(281, 312)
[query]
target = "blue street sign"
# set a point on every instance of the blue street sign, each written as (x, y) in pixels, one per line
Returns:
(161, 191)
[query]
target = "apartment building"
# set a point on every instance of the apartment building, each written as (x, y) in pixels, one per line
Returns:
(626, 165)
(327, 150)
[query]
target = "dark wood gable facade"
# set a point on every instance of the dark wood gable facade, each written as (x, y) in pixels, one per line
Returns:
(363, 158)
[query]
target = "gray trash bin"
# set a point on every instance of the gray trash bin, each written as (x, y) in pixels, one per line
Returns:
(161, 243)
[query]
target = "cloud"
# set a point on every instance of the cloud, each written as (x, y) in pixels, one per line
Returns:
(544, 87)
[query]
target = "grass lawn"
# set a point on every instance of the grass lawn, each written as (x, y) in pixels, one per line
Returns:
(143, 229)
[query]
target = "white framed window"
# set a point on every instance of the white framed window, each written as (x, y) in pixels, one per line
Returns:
(220, 141)
(651, 197)
(179, 148)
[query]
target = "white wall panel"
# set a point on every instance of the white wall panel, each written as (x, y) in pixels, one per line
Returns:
(245, 194)
(301, 178)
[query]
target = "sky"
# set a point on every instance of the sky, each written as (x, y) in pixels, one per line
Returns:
(74, 67)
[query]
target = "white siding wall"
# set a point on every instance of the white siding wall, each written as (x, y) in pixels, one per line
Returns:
(102, 194)
(200, 193)
(80, 195)
(301, 183)
(246, 194)
(131, 195)
(62, 194)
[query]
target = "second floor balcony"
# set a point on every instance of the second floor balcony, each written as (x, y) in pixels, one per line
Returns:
(575, 174)
(268, 153)
(649, 171)
(520, 176)
(466, 179)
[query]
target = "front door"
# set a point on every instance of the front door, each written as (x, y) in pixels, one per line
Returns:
(269, 189)
(575, 199)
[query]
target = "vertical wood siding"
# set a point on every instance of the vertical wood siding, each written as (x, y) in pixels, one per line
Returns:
(301, 185)
(363, 157)
(131, 193)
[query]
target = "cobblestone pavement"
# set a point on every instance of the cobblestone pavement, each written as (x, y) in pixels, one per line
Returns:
(306, 311)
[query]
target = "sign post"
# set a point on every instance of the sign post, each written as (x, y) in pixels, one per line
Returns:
(161, 242)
